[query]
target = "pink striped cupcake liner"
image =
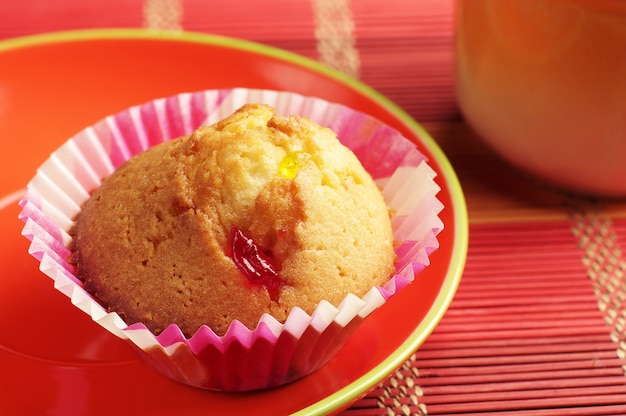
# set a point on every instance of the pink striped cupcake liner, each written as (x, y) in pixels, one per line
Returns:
(273, 353)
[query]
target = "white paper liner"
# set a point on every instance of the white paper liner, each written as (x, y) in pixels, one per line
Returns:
(283, 351)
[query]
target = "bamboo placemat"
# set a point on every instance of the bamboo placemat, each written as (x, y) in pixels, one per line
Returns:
(527, 333)
(402, 48)
(537, 324)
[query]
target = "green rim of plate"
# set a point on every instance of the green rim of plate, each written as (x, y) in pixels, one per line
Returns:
(459, 252)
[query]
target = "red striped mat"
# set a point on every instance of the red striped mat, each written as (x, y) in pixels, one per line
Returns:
(402, 48)
(536, 327)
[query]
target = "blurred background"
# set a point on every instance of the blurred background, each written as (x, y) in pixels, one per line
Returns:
(402, 48)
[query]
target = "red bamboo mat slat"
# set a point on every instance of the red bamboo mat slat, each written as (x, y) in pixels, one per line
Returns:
(525, 334)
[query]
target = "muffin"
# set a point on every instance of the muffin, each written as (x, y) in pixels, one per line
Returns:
(255, 214)
(295, 197)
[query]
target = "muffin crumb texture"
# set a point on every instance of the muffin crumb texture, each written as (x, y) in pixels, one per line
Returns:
(255, 214)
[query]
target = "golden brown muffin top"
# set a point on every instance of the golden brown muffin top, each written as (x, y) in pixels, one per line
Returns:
(176, 234)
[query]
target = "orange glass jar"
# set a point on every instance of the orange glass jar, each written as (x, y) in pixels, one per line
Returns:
(543, 82)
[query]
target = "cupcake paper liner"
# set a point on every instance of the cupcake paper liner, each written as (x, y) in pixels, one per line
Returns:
(272, 353)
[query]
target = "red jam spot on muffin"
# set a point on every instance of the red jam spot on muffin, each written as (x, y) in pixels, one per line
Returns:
(256, 265)
(291, 163)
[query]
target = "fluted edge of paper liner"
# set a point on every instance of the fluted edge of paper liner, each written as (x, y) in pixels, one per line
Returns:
(282, 352)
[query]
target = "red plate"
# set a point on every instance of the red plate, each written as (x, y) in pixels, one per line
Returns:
(54, 360)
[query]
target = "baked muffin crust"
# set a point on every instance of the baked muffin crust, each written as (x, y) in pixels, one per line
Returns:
(155, 241)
